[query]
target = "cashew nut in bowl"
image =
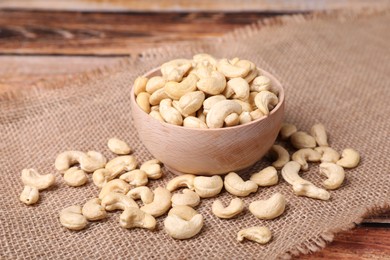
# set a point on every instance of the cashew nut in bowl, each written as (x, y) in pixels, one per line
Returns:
(201, 57)
(121, 164)
(174, 70)
(335, 174)
(135, 178)
(114, 201)
(256, 114)
(153, 84)
(232, 71)
(75, 177)
(265, 101)
(236, 186)
(176, 90)
(261, 235)
(302, 156)
(236, 206)
(207, 187)
(101, 176)
(183, 223)
(319, 133)
(72, 218)
(185, 180)
(134, 217)
(266, 177)
(30, 177)
(190, 102)
(311, 191)
(238, 88)
(213, 85)
(116, 185)
(118, 146)
(161, 202)
(93, 210)
(217, 114)
(142, 100)
(270, 208)
(245, 118)
(67, 159)
(92, 161)
(246, 107)
(281, 154)
(140, 85)
(232, 120)
(209, 102)
(157, 115)
(302, 139)
(169, 113)
(187, 198)
(328, 154)
(287, 130)
(143, 193)
(350, 158)
(29, 195)
(290, 173)
(152, 168)
(252, 73)
(156, 97)
(261, 83)
(194, 122)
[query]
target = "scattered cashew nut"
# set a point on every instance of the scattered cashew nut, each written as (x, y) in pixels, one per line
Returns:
(143, 193)
(266, 177)
(72, 218)
(236, 206)
(261, 235)
(270, 208)
(161, 202)
(67, 159)
(350, 158)
(135, 178)
(184, 223)
(152, 168)
(287, 130)
(185, 180)
(319, 133)
(236, 186)
(93, 210)
(118, 146)
(75, 177)
(328, 154)
(207, 187)
(116, 185)
(114, 201)
(311, 191)
(335, 174)
(281, 154)
(29, 195)
(92, 160)
(302, 156)
(30, 177)
(101, 176)
(121, 164)
(187, 198)
(302, 139)
(134, 217)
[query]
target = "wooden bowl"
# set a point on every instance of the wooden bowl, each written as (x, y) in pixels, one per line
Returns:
(208, 151)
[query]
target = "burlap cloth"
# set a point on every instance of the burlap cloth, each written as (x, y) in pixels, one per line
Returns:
(336, 70)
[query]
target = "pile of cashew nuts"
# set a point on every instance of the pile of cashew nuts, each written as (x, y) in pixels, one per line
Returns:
(206, 93)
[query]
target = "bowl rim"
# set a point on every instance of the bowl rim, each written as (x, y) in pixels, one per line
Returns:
(274, 110)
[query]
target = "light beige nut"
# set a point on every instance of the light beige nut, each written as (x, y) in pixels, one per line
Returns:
(280, 154)
(217, 114)
(157, 96)
(174, 70)
(236, 186)
(319, 133)
(184, 223)
(235, 207)
(209, 102)
(253, 73)
(290, 173)
(140, 85)
(185, 180)
(311, 191)
(161, 202)
(266, 177)
(114, 201)
(233, 71)
(270, 208)
(350, 158)
(302, 139)
(256, 114)
(234, 60)
(187, 198)
(302, 156)
(153, 84)
(201, 116)
(261, 235)
(152, 168)
(72, 218)
(169, 113)
(29, 195)
(194, 122)
(335, 174)
(246, 107)
(136, 218)
(266, 101)
(287, 130)
(143, 193)
(157, 115)
(261, 83)
(215, 84)
(135, 178)
(67, 159)
(118, 146)
(328, 154)
(203, 69)
(245, 118)
(92, 161)
(176, 90)
(237, 88)
(75, 177)
(189, 103)
(101, 176)
(116, 185)
(202, 57)
(143, 101)
(155, 108)
(30, 177)
(207, 187)
(93, 210)
(251, 101)
(121, 164)
(232, 120)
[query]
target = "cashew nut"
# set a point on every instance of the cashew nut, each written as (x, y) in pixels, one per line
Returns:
(245, 118)
(189, 103)
(217, 114)
(319, 133)
(176, 90)
(266, 177)
(232, 120)
(169, 113)
(246, 107)
(209, 102)
(135, 178)
(203, 69)
(270, 208)
(174, 70)
(207, 187)
(201, 116)
(114, 201)
(265, 101)
(116, 185)
(302, 139)
(67, 159)
(121, 164)
(237, 86)
(236, 186)
(185, 180)
(261, 83)
(328, 154)
(157, 115)
(256, 114)
(287, 130)
(143, 193)
(311, 191)
(201, 57)
(101, 176)
(153, 84)
(194, 122)
(252, 74)
(290, 173)
(29, 195)
(251, 101)
(161, 202)
(350, 158)
(134, 217)
(152, 168)
(187, 198)
(30, 177)
(184, 223)
(302, 156)
(335, 174)
(92, 161)
(118, 146)
(214, 84)
(157, 96)
(143, 101)
(236, 206)
(281, 154)
(140, 85)
(72, 218)
(75, 177)
(261, 235)
(232, 71)
(93, 210)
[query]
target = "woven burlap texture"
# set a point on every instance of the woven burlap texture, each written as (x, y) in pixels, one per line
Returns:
(335, 69)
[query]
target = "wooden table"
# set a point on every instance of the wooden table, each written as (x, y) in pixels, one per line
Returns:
(40, 46)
